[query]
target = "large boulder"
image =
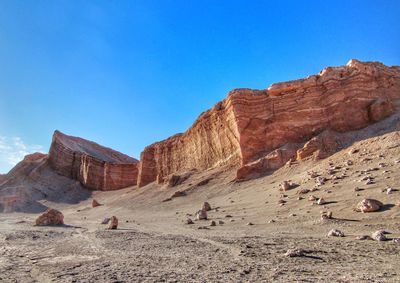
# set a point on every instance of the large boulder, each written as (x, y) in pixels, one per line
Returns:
(50, 217)
(368, 205)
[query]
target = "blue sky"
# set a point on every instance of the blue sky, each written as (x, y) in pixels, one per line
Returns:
(128, 73)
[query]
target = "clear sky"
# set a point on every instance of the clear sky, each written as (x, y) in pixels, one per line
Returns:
(128, 73)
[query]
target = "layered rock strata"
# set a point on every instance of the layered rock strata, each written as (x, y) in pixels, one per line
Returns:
(95, 166)
(260, 130)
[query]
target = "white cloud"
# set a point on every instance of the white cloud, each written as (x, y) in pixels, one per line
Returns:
(13, 150)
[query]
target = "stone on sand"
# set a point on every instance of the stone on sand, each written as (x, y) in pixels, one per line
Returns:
(95, 203)
(201, 215)
(113, 223)
(335, 233)
(368, 205)
(206, 206)
(295, 252)
(50, 217)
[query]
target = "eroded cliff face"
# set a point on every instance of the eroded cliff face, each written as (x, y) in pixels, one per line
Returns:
(260, 130)
(211, 141)
(95, 166)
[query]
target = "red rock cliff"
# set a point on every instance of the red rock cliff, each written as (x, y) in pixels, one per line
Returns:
(95, 166)
(262, 129)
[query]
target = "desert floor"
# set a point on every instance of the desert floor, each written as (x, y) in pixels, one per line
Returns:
(153, 243)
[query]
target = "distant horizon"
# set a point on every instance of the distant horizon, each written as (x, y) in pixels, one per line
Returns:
(130, 73)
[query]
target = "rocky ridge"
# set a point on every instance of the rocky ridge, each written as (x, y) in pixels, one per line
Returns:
(95, 166)
(261, 130)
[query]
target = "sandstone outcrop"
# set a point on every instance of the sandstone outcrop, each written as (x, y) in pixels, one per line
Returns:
(50, 217)
(95, 166)
(261, 130)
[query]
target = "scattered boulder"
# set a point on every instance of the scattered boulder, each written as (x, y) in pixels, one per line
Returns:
(335, 233)
(206, 206)
(326, 215)
(320, 146)
(321, 201)
(175, 179)
(95, 203)
(379, 236)
(201, 215)
(295, 252)
(368, 205)
(113, 223)
(50, 217)
(106, 220)
(312, 198)
(286, 186)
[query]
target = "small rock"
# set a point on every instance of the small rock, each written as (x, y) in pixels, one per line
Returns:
(249, 224)
(396, 240)
(228, 216)
(326, 215)
(220, 222)
(113, 223)
(189, 221)
(105, 220)
(95, 203)
(312, 198)
(295, 252)
(379, 236)
(201, 215)
(271, 221)
(389, 191)
(206, 206)
(321, 201)
(286, 186)
(335, 233)
(212, 223)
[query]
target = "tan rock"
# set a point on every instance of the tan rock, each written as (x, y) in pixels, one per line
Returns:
(206, 206)
(201, 215)
(113, 223)
(368, 205)
(50, 217)
(379, 236)
(335, 233)
(295, 253)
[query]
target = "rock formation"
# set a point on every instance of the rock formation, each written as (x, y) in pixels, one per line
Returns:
(50, 217)
(95, 166)
(260, 130)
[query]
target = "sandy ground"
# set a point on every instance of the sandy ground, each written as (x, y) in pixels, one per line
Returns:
(154, 243)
